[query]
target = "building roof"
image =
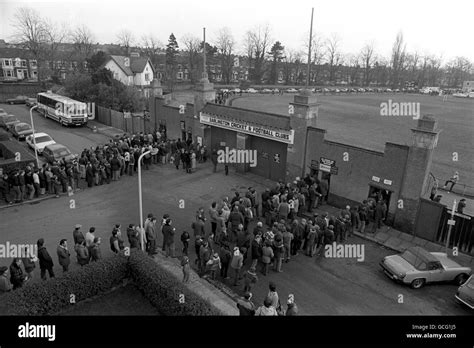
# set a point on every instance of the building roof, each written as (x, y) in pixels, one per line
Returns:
(120, 61)
(9, 52)
(246, 115)
(137, 64)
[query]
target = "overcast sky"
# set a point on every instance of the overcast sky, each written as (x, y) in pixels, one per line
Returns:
(442, 28)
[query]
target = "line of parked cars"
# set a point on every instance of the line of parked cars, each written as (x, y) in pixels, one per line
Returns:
(42, 142)
(417, 267)
(319, 90)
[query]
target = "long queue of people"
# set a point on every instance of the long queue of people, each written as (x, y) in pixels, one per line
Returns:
(86, 246)
(100, 165)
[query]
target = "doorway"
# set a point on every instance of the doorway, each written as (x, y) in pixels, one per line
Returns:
(380, 193)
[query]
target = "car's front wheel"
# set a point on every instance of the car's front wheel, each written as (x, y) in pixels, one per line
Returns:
(460, 279)
(417, 283)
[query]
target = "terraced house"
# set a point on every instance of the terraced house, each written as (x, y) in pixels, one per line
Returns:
(17, 65)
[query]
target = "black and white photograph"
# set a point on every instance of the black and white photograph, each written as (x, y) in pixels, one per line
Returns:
(211, 159)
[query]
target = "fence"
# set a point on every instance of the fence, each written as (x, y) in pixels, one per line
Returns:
(432, 225)
(128, 122)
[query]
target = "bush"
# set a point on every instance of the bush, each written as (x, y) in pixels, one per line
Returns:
(50, 297)
(163, 289)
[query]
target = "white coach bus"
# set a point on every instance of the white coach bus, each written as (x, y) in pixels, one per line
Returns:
(62, 109)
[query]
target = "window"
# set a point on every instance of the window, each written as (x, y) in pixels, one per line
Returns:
(7, 62)
(147, 77)
(180, 75)
(9, 73)
(33, 63)
(23, 63)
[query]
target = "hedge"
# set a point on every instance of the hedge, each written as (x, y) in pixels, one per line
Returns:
(160, 286)
(52, 296)
(163, 289)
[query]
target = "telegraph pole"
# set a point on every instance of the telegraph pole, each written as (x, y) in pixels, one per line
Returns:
(309, 49)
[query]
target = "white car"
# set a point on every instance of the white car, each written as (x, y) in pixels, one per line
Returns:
(42, 140)
(236, 90)
(416, 267)
(266, 90)
(461, 95)
(292, 90)
(224, 90)
(251, 90)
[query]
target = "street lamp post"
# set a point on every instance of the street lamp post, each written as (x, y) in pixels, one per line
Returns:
(451, 223)
(34, 137)
(140, 204)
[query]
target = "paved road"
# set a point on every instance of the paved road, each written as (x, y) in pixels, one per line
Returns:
(322, 287)
(75, 138)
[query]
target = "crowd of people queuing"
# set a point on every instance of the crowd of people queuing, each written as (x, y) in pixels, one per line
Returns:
(101, 165)
(229, 248)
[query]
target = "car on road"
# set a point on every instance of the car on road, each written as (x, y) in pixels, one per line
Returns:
(465, 293)
(42, 140)
(251, 90)
(361, 90)
(8, 120)
(236, 90)
(3, 113)
(266, 90)
(21, 130)
(417, 267)
(57, 152)
(30, 102)
(21, 99)
(291, 90)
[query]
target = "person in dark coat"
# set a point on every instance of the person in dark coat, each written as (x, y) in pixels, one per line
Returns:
(64, 256)
(292, 308)
(45, 260)
(214, 158)
(82, 253)
(185, 237)
(225, 256)
(90, 175)
(169, 233)
(133, 237)
(17, 277)
(77, 235)
(150, 232)
(246, 306)
(256, 251)
(95, 252)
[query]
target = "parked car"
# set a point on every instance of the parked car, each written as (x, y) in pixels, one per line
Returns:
(21, 99)
(224, 90)
(337, 90)
(326, 90)
(58, 152)
(21, 130)
(3, 113)
(8, 120)
(291, 90)
(30, 102)
(251, 90)
(361, 90)
(344, 90)
(353, 90)
(465, 293)
(417, 267)
(275, 90)
(266, 90)
(388, 90)
(235, 90)
(369, 89)
(42, 140)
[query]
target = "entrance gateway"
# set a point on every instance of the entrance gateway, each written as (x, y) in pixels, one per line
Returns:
(238, 129)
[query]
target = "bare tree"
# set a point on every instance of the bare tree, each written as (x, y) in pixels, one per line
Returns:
(192, 46)
(125, 38)
(333, 56)
(368, 58)
(151, 46)
(83, 41)
(30, 31)
(56, 35)
(225, 44)
(256, 43)
(398, 59)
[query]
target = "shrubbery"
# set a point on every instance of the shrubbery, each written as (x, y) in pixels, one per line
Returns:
(52, 296)
(163, 289)
(160, 286)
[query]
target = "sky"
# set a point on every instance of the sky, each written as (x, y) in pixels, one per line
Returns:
(435, 27)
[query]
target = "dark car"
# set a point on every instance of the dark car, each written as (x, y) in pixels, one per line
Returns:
(30, 102)
(21, 130)
(57, 152)
(8, 120)
(21, 99)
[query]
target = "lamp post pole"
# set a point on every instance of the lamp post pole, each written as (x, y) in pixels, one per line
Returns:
(451, 222)
(34, 137)
(140, 204)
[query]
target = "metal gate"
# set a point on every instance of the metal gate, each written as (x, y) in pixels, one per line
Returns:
(462, 233)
